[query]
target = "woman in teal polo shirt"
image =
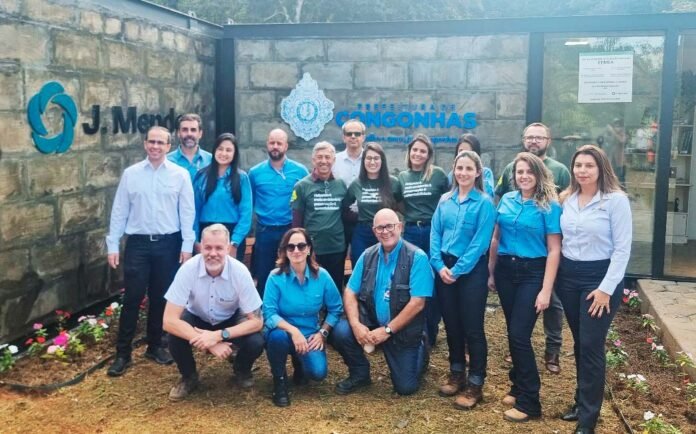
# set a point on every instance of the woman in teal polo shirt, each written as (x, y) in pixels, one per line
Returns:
(525, 254)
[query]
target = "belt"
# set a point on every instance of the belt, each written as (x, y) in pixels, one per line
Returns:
(287, 226)
(519, 259)
(154, 237)
(419, 223)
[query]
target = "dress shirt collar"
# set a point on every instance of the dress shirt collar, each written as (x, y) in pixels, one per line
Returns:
(196, 156)
(474, 194)
(573, 199)
(346, 156)
(293, 275)
(393, 254)
(148, 163)
(202, 272)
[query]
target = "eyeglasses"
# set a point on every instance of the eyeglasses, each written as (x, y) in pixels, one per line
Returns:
(373, 158)
(156, 142)
(382, 228)
(299, 246)
(535, 138)
(353, 133)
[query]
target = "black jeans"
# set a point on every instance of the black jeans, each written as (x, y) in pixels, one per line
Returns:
(463, 306)
(519, 281)
(576, 279)
(335, 264)
(266, 252)
(250, 346)
(149, 265)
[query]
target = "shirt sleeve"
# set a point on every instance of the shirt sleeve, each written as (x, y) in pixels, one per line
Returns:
(621, 235)
(356, 275)
(398, 188)
(182, 285)
(241, 230)
(503, 185)
(421, 276)
(488, 181)
(480, 241)
(199, 199)
(297, 200)
(249, 299)
(436, 238)
(119, 215)
(187, 213)
(271, 300)
(552, 219)
(332, 299)
(564, 180)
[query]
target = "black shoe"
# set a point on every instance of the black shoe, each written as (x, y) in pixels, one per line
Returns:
(119, 367)
(571, 415)
(350, 385)
(280, 392)
(583, 430)
(159, 355)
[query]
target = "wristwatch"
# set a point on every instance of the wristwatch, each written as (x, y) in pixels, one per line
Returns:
(225, 334)
(324, 333)
(388, 330)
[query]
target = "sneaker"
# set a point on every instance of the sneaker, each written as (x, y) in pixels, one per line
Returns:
(468, 399)
(119, 367)
(350, 385)
(159, 355)
(509, 400)
(183, 388)
(515, 415)
(245, 380)
(456, 382)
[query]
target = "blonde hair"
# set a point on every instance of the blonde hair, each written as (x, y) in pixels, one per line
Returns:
(545, 189)
(607, 182)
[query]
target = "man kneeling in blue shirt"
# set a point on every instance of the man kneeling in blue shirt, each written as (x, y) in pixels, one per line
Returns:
(211, 304)
(384, 307)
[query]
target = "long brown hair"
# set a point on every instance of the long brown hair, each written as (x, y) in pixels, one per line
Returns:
(607, 182)
(283, 263)
(383, 179)
(545, 190)
(478, 183)
(428, 166)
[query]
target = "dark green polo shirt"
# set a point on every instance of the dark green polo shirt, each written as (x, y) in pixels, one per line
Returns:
(368, 197)
(421, 197)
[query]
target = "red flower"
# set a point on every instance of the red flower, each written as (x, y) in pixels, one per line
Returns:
(29, 341)
(108, 311)
(625, 299)
(59, 312)
(649, 340)
(40, 339)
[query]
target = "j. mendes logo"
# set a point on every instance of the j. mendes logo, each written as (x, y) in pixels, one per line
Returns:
(52, 92)
(307, 109)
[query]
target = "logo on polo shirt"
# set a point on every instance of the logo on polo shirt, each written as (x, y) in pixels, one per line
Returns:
(52, 92)
(307, 109)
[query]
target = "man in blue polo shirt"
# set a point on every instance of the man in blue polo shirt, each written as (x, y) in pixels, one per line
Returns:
(189, 154)
(272, 183)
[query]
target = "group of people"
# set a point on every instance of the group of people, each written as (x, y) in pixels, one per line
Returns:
(554, 241)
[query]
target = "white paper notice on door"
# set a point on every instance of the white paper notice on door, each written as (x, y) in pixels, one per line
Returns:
(605, 77)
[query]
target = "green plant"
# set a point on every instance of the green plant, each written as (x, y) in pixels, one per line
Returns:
(636, 382)
(7, 353)
(648, 322)
(691, 392)
(92, 328)
(36, 344)
(62, 318)
(631, 299)
(656, 425)
(661, 354)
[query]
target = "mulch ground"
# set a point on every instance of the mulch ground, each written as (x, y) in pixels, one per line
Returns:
(137, 402)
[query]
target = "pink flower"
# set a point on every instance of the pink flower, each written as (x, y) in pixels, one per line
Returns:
(617, 343)
(653, 346)
(61, 339)
(627, 291)
(52, 349)
(38, 326)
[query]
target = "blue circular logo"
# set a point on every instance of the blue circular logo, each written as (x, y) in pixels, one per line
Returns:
(52, 92)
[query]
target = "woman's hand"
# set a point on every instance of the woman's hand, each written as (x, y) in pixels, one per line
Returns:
(491, 283)
(315, 342)
(446, 276)
(300, 342)
(542, 301)
(600, 303)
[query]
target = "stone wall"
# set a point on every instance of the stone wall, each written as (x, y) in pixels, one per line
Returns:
(54, 208)
(484, 74)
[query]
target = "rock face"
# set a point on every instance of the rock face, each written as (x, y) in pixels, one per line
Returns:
(54, 208)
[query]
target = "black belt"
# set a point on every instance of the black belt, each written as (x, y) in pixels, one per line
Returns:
(419, 223)
(520, 259)
(155, 237)
(287, 226)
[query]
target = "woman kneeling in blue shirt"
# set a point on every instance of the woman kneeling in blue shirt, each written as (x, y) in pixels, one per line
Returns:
(525, 252)
(597, 234)
(295, 293)
(223, 195)
(460, 234)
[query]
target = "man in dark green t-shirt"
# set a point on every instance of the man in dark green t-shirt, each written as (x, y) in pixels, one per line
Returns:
(318, 201)
(536, 138)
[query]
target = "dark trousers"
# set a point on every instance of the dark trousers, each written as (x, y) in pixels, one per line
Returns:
(266, 252)
(363, 237)
(553, 325)
(335, 264)
(463, 305)
(241, 248)
(406, 364)
(279, 346)
(419, 235)
(149, 265)
(576, 279)
(519, 281)
(250, 346)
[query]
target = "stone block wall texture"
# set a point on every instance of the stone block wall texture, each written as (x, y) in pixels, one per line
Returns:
(55, 208)
(482, 74)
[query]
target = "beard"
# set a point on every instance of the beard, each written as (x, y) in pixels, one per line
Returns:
(539, 152)
(189, 142)
(276, 155)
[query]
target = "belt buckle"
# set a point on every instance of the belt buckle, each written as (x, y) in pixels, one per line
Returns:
(154, 238)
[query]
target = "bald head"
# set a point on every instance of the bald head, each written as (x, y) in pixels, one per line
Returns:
(387, 228)
(277, 144)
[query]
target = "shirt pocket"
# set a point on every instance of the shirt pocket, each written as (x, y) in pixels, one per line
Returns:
(469, 223)
(531, 225)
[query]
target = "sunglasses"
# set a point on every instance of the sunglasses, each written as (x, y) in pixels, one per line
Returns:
(353, 133)
(299, 246)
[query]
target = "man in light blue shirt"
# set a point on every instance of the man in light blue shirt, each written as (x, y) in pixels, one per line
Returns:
(211, 304)
(384, 304)
(154, 206)
(272, 183)
(189, 154)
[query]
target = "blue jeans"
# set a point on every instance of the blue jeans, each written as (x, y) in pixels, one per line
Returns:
(406, 364)
(266, 252)
(420, 237)
(463, 305)
(519, 281)
(576, 279)
(279, 346)
(363, 237)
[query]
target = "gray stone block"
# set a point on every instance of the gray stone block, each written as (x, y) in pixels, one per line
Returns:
(102, 170)
(497, 74)
(77, 51)
(112, 26)
(343, 50)
(107, 93)
(252, 50)
(160, 66)
(189, 71)
(144, 96)
(331, 75)
(10, 6)
(273, 75)
(381, 76)
(27, 43)
(59, 292)
(54, 173)
(260, 129)
(483, 47)
(168, 40)
(92, 21)
(11, 85)
(94, 250)
(438, 75)
(16, 137)
(409, 49)
(26, 222)
(41, 10)
(124, 58)
(511, 105)
(241, 76)
(10, 179)
(14, 264)
(299, 50)
(261, 103)
(56, 258)
(83, 212)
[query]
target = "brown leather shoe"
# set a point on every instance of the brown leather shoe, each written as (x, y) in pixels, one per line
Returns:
(508, 358)
(456, 382)
(509, 400)
(183, 388)
(514, 415)
(552, 362)
(468, 399)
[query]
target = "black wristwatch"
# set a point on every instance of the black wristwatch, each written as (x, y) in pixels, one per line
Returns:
(388, 330)
(225, 334)
(324, 333)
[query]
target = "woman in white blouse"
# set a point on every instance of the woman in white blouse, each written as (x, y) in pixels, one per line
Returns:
(596, 225)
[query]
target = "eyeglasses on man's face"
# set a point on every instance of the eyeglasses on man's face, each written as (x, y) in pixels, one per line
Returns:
(535, 138)
(384, 228)
(353, 133)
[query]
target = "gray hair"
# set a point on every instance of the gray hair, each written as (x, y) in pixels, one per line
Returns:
(320, 146)
(353, 121)
(215, 229)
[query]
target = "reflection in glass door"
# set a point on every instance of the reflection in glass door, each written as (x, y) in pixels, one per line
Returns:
(680, 241)
(606, 90)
